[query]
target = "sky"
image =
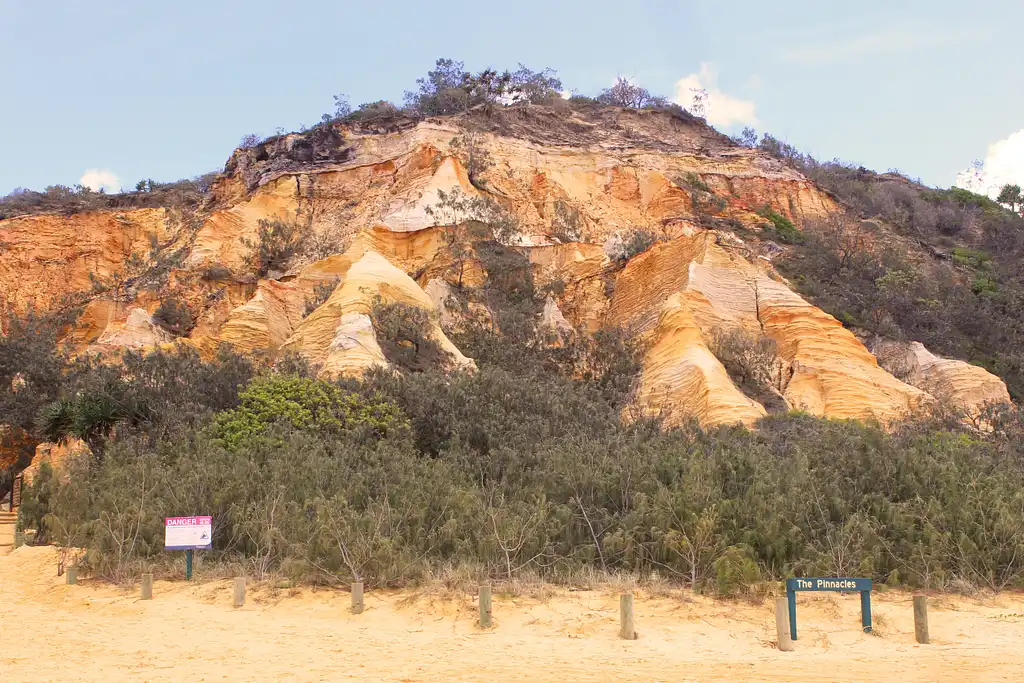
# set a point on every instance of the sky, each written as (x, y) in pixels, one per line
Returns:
(109, 92)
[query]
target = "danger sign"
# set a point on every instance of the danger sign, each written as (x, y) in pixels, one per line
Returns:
(188, 533)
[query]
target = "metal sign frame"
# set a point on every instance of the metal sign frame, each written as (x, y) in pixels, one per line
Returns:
(842, 585)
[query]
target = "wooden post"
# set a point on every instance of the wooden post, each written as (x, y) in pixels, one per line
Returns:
(72, 575)
(19, 539)
(627, 628)
(147, 586)
(782, 625)
(238, 599)
(357, 597)
(921, 619)
(485, 605)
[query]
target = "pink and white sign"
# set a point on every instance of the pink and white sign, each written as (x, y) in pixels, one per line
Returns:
(188, 533)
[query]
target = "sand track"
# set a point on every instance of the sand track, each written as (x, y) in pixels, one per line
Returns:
(96, 632)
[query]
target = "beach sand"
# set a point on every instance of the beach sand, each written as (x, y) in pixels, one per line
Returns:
(94, 631)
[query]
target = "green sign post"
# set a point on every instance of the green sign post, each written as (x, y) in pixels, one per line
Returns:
(862, 586)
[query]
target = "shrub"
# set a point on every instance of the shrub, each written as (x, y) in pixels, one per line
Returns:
(694, 182)
(475, 158)
(321, 293)
(404, 335)
(736, 572)
(752, 363)
(629, 95)
(35, 502)
(174, 315)
(304, 404)
(971, 258)
(277, 241)
(782, 227)
(374, 113)
(186, 196)
(250, 141)
(450, 89)
(639, 241)
(567, 225)
(216, 272)
(525, 467)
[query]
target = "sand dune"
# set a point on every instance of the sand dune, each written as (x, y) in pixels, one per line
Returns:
(97, 632)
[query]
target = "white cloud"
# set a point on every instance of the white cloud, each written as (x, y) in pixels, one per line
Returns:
(720, 109)
(96, 178)
(1003, 164)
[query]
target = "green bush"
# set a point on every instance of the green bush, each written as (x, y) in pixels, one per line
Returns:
(782, 227)
(304, 404)
(694, 182)
(971, 258)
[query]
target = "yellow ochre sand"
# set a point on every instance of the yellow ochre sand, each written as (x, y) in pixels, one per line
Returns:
(98, 632)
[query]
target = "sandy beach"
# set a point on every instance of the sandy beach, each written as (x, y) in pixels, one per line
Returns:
(189, 632)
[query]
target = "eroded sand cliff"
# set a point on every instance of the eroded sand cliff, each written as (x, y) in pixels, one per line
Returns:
(366, 205)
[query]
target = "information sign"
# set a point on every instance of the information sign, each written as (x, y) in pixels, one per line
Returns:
(862, 586)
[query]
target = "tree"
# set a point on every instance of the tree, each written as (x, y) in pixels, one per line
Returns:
(306, 405)
(470, 150)
(1011, 195)
(626, 94)
(450, 89)
(442, 91)
(467, 220)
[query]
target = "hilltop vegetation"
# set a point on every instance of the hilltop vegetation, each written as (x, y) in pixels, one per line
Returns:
(449, 89)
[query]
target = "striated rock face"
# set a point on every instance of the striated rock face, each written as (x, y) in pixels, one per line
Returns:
(138, 331)
(578, 190)
(45, 258)
(339, 335)
(681, 293)
(682, 379)
(964, 386)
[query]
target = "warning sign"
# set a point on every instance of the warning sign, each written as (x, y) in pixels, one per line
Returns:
(188, 533)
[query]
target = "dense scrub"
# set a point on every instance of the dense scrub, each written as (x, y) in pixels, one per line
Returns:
(523, 468)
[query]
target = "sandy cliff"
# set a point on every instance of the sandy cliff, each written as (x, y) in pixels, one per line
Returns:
(363, 201)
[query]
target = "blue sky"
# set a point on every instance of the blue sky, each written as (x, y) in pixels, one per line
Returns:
(166, 90)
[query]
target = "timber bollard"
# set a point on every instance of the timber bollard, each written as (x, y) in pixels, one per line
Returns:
(485, 606)
(782, 625)
(357, 597)
(19, 539)
(238, 598)
(71, 574)
(921, 619)
(147, 586)
(627, 628)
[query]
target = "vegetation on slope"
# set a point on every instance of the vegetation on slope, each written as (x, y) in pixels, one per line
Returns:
(942, 267)
(524, 468)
